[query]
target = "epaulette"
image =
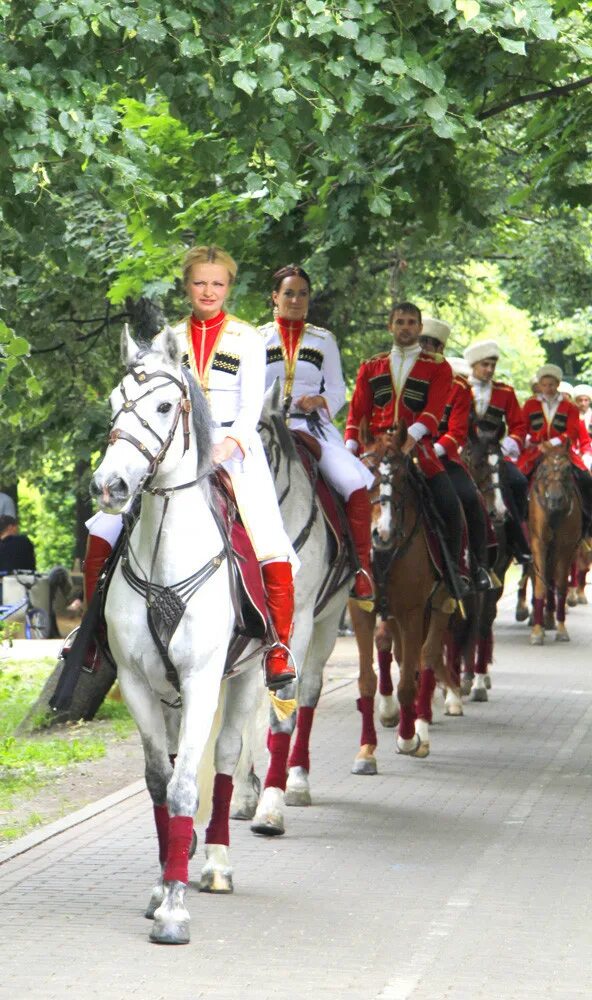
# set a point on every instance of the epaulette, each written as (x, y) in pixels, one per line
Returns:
(501, 385)
(236, 326)
(266, 328)
(377, 357)
(436, 359)
(462, 380)
(317, 331)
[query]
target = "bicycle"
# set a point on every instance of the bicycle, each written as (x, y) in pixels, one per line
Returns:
(37, 624)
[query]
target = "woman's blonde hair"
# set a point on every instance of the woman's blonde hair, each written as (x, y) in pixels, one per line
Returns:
(209, 255)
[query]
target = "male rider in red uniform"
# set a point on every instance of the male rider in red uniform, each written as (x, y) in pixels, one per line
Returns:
(452, 436)
(497, 410)
(411, 385)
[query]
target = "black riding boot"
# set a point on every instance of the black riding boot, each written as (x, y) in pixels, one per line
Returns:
(466, 492)
(448, 507)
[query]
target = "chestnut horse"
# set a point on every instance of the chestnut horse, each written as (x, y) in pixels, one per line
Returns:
(555, 523)
(411, 596)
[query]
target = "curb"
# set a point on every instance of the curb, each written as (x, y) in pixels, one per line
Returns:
(26, 843)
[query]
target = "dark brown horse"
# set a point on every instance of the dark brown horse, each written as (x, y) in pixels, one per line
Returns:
(555, 524)
(412, 598)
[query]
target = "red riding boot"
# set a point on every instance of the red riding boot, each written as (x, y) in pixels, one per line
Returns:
(98, 551)
(358, 512)
(279, 588)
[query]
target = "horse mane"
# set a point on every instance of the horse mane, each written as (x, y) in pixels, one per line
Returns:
(200, 411)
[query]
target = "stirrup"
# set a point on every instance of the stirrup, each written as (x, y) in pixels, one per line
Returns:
(365, 603)
(273, 683)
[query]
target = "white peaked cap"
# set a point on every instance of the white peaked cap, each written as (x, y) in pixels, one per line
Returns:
(481, 350)
(435, 328)
(459, 366)
(555, 372)
(582, 390)
(566, 387)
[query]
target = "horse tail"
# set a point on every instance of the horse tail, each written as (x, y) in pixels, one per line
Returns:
(207, 768)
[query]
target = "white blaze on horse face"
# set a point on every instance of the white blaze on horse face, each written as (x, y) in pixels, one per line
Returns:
(383, 525)
(498, 500)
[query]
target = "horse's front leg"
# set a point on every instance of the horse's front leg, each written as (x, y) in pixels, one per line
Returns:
(239, 706)
(388, 708)
(363, 623)
(411, 623)
(538, 548)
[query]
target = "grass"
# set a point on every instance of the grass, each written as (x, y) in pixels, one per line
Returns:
(29, 763)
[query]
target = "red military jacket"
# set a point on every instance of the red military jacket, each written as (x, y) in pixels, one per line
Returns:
(422, 397)
(503, 408)
(566, 424)
(454, 426)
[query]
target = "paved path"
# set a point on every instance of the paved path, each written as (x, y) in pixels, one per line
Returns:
(466, 875)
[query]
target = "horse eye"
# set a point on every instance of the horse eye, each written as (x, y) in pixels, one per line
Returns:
(164, 407)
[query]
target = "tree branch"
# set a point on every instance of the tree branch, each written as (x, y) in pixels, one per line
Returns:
(539, 95)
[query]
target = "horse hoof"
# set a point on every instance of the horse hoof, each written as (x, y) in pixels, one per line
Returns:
(413, 747)
(479, 690)
(582, 599)
(155, 900)
(365, 761)
(454, 706)
(537, 638)
(466, 683)
(549, 623)
(572, 597)
(297, 789)
(521, 613)
(170, 931)
(388, 711)
(562, 635)
(488, 682)
(244, 802)
(215, 881)
(269, 819)
(246, 811)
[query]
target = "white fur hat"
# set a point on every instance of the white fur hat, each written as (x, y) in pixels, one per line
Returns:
(435, 328)
(481, 350)
(566, 387)
(554, 371)
(582, 390)
(459, 366)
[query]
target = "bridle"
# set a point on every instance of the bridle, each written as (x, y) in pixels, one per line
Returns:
(183, 410)
(561, 466)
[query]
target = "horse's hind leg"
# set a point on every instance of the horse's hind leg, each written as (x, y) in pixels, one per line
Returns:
(363, 623)
(388, 709)
(522, 611)
(549, 616)
(216, 874)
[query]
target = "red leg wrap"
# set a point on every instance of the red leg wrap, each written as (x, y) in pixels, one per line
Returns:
(427, 684)
(582, 573)
(161, 818)
(561, 599)
(365, 706)
(407, 722)
(97, 551)
(218, 831)
(484, 654)
(278, 745)
(180, 835)
(385, 682)
(300, 756)
(538, 610)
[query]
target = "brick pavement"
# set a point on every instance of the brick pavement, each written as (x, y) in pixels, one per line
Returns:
(462, 876)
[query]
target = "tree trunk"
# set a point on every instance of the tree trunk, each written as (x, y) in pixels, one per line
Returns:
(89, 694)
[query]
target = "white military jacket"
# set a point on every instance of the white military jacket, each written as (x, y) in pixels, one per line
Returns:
(315, 369)
(234, 379)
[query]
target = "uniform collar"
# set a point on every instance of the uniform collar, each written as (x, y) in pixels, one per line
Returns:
(405, 352)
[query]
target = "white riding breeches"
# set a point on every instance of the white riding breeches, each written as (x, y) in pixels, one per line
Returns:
(342, 469)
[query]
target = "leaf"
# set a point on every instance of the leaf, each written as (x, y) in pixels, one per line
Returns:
(435, 107)
(316, 6)
(245, 81)
(283, 96)
(24, 181)
(468, 8)
(17, 347)
(371, 47)
(347, 29)
(394, 65)
(512, 45)
(379, 204)
(439, 6)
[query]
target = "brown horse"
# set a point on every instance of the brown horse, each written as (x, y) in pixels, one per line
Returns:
(412, 598)
(484, 460)
(555, 523)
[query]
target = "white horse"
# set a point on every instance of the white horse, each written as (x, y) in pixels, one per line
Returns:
(176, 563)
(315, 628)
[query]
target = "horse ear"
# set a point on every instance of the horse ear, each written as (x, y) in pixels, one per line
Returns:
(128, 346)
(166, 342)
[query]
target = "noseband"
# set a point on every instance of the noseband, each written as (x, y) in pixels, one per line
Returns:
(129, 406)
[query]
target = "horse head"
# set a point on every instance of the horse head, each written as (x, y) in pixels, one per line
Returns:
(391, 465)
(150, 431)
(484, 458)
(553, 482)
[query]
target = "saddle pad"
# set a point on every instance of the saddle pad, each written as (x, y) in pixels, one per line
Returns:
(329, 502)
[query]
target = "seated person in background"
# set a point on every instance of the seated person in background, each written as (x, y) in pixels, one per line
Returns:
(16, 550)
(7, 505)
